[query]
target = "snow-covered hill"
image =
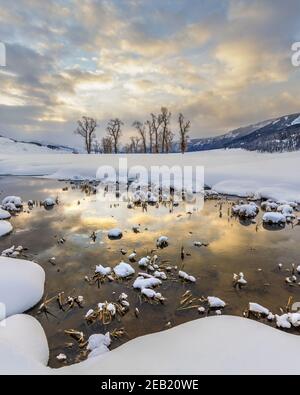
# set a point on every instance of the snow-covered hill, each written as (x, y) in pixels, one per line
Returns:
(14, 147)
(275, 135)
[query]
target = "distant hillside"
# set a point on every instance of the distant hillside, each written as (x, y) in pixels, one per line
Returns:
(11, 146)
(275, 135)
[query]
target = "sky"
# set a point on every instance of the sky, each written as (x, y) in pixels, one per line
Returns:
(223, 63)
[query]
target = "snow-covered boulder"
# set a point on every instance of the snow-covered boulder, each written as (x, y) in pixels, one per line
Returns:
(148, 282)
(5, 228)
(258, 309)
(246, 210)
(215, 303)
(186, 276)
(49, 202)
(21, 285)
(4, 214)
(115, 234)
(103, 271)
(12, 203)
(274, 219)
(269, 206)
(123, 270)
(162, 242)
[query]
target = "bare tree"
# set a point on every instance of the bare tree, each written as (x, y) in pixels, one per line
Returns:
(86, 128)
(115, 132)
(169, 141)
(142, 132)
(97, 147)
(184, 129)
(151, 133)
(135, 144)
(165, 121)
(156, 122)
(107, 145)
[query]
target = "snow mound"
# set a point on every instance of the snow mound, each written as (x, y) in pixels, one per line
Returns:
(21, 285)
(274, 218)
(4, 214)
(123, 270)
(5, 228)
(25, 334)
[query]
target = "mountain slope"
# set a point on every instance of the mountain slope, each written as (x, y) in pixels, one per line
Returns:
(275, 135)
(10, 146)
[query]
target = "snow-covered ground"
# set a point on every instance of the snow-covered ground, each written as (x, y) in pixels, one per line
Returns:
(198, 347)
(236, 172)
(11, 147)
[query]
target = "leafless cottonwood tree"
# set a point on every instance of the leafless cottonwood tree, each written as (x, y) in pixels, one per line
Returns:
(156, 122)
(142, 133)
(165, 117)
(135, 144)
(169, 140)
(114, 131)
(107, 145)
(97, 148)
(184, 127)
(87, 128)
(151, 134)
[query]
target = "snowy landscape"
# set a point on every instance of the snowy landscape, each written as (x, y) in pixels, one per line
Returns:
(149, 189)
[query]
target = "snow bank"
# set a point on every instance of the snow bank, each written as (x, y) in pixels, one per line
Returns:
(5, 228)
(242, 347)
(247, 347)
(21, 284)
(238, 172)
(23, 346)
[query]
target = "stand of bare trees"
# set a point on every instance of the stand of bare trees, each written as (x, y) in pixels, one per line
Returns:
(152, 136)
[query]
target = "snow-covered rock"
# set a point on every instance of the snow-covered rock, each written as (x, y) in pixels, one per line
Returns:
(49, 202)
(103, 271)
(257, 308)
(186, 276)
(144, 262)
(123, 270)
(148, 282)
(97, 340)
(4, 214)
(246, 210)
(115, 233)
(215, 303)
(274, 219)
(21, 284)
(5, 228)
(12, 201)
(162, 242)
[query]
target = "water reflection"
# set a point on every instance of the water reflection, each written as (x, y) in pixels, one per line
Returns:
(234, 246)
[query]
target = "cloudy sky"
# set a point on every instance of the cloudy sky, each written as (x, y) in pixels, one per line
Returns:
(223, 63)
